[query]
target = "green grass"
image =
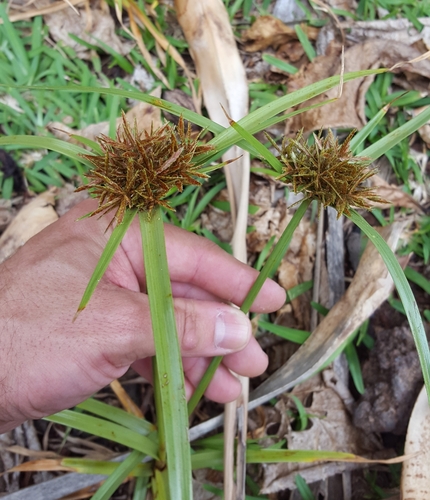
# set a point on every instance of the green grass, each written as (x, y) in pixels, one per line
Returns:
(26, 59)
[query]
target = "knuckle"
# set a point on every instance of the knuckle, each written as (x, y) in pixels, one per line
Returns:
(187, 328)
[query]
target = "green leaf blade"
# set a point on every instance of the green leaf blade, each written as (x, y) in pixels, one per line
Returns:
(404, 291)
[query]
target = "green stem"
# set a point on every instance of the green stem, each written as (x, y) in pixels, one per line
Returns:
(272, 263)
(405, 294)
(158, 411)
(170, 377)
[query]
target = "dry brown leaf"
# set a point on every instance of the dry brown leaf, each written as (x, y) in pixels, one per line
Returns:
(393, 194)
(372, 285)
(270, 219)
(331, 429)
(424, 131)
(19, 13)
(397, 30)
(269, 31)
(128, 404)
(31, 219)
(415, 483)
(43, 464)
(92, 24)
(208, 31)
(6, 213)
(161, 43)
(348, 5)
(21, 450)
(297, 267)
(348, 110)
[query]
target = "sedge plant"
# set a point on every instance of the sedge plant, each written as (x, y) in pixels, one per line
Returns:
(133, 175)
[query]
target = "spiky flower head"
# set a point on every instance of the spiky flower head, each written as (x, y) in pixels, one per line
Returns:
(138, 169)
(328, 172)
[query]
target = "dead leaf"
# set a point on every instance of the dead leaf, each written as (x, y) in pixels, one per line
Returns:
(19, 12)
(372, 284)
(415, 483)
(42, 464)
(128, 404)
(270, 219)
(331, 429)
(396, 30)
(20, 450)
(92, 24)
(424, 131)
(6, 213)
(347, 5)
(66, 198)
(218, 221)
(269, 31)
(348, 110)
(31, 219)
(393, 194)
(297, 267)
(208, 31)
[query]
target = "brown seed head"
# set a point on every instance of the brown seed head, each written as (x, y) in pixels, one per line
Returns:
(138, 169)
(328, 172)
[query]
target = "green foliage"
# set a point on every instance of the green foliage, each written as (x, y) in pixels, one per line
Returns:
(411, 9)
(420, 240)
(303, 488)
(378, 95)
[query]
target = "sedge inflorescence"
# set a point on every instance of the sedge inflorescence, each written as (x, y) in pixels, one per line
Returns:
(138, 169)
(328, 172)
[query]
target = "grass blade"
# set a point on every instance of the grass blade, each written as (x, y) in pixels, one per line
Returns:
(280, 64)
(354, 366)
(105, 258)
(306, 44)
(418, 279)
(114, 481)
(174, 109)
(291, 334)
(256, 144)
(404, 291)
(362, 135)
(118, 416)
(36, 142)
(106, 430)
(87, 466)
(386, 143)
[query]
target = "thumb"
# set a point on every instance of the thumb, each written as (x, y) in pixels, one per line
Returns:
(204, 328)
(207, 328)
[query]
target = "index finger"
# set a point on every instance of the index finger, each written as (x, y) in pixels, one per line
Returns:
(200, 262)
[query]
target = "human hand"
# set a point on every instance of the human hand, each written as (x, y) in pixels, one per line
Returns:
(49, 363)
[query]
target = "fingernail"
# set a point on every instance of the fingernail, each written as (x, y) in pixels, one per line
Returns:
(232, 330)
